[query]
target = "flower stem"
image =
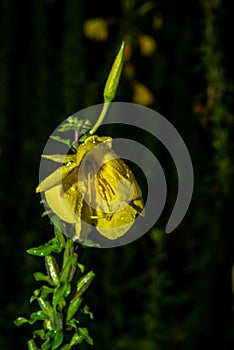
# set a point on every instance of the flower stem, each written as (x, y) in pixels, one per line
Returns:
(111, 86)
(101, 118)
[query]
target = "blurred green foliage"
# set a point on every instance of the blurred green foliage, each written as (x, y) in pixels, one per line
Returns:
(162, 291)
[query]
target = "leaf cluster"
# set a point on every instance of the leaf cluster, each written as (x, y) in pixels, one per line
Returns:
(60, 298)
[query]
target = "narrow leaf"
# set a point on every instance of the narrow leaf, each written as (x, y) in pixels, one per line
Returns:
(39, 276)
(73, 308)
(60, 293)
(32, 345)
(52, 269)
(58, 339)
(69, 269)
(84, 282)
(60, 139)
(84, 334)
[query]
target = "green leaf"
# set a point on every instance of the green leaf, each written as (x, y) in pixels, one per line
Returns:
(75, 340)
(35, 316)
(73, 323)
(46, 345)
(46, 307)
(32, 345)
(57, 341)
(45, 291)
(73, 123)
(46, 249)
(39, 333)
(39, 276)
(60, 139)
(84, 282)
(69, 269)
(83, 137)
(81, 267)
(87, 311)
(45, 213)
(84, 334)
(35, 295)
(58, 230)
(68, 251)
(52, 269)
(20, 320)
(66, 347)
(73, 307)
(60, 294)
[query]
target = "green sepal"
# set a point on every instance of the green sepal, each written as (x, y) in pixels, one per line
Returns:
(52, 269)
(32, 345)
(73, 307)
(56, 176)
(84, 137)
(61, 158)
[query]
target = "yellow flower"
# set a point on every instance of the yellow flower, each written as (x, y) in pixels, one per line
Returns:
(96, 29)
(147, 45)
(94, 187)
(142, 95)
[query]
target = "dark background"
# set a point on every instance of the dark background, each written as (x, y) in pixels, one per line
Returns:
(163, 291)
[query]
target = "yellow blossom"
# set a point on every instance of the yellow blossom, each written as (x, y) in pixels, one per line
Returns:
(94, 187)
(142, 95)
(96, 29)
(147, 45)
